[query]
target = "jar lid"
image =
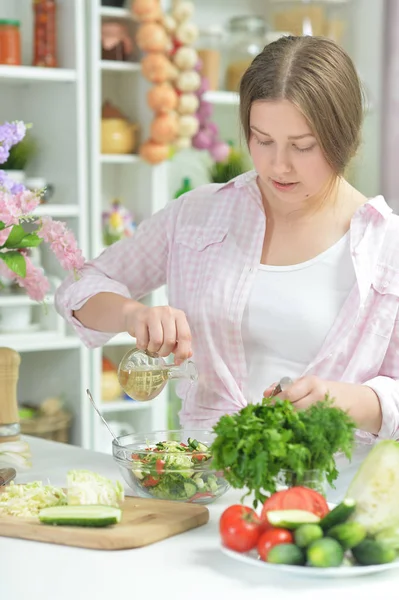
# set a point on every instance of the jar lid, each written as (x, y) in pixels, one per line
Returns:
(248, 23)
(12, 22)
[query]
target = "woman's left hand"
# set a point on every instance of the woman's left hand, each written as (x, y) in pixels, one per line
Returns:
(304, 391)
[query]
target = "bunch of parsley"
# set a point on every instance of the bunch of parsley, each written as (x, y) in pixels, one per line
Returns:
(255, 444)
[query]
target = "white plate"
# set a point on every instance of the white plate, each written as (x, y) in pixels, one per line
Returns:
(251, 558)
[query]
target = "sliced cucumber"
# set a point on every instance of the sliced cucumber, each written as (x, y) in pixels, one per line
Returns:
(339, 514)
(291, 519)
(87, 515)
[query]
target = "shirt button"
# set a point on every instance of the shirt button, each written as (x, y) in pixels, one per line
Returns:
(385, 284)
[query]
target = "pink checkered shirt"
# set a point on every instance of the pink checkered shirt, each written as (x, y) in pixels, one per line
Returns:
(205, 246)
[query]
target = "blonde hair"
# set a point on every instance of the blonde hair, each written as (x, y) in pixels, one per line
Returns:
(320, 79)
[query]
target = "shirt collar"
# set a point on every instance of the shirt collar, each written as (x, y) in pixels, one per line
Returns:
(240, 181)
(376, 204)
(379, 205)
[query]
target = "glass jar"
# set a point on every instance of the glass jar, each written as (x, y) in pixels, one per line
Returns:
(246, 39)
(209, 48)
(10, 42)
(313, 479)
(329, 18)
(45, 33)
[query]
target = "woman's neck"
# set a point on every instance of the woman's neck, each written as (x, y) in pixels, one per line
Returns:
(339, 201)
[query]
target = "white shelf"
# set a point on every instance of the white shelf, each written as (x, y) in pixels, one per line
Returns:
(116, 65)
(222, 97)
(31, 74)
(57, 210)
(37, 342)
(115, 13)
(122, 339)
(123, 406)
(119, 159)
(21, 300)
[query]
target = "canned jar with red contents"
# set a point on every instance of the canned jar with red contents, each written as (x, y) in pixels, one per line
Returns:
(45, 34)
(10, 42)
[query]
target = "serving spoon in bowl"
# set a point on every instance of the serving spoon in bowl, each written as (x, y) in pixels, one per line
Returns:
(101, 417)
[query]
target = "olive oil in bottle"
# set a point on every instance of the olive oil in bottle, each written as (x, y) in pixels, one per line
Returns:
(143, 384)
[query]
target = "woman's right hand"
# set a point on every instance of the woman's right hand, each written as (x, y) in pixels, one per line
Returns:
(159, 329)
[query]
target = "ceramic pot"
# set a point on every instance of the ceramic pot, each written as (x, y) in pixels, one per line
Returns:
(118, 136)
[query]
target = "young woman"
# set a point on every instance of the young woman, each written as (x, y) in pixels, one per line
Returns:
(284, 271)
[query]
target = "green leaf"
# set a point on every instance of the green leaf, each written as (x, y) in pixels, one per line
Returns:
(255, 444)
(31, 240)
(16, 234)
(2, 225)
(15, 262)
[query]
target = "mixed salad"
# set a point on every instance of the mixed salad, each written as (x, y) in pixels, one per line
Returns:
(177, 471)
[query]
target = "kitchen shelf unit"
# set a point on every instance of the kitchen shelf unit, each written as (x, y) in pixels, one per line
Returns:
(142, 188)
(53, 100)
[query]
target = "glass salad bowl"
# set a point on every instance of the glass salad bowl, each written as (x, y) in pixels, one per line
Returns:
(170, 465)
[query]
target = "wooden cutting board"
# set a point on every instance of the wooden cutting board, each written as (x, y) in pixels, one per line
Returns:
(143, 522)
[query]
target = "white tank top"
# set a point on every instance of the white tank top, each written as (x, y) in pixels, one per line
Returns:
(289, 313)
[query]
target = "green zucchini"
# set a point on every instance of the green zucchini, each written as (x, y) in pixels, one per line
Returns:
(339, 514)
(86, 515)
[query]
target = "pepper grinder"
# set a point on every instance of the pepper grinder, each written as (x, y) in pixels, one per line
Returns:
(9, 417)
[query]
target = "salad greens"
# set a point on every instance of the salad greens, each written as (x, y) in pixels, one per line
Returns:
(86, 487)
(254, 445)
(29, 499)
(177, 471)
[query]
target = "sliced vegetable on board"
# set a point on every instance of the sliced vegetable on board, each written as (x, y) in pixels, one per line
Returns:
(81, 515)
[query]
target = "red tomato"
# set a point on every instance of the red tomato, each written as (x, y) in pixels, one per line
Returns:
(273, 537)
(159, 466)
(320, 506)
(150, 481)
(299, 498)
(240, 528)
(199, 457)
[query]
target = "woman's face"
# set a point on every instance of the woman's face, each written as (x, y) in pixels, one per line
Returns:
(285, 153)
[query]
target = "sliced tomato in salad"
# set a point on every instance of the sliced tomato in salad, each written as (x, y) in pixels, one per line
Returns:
(150, 481)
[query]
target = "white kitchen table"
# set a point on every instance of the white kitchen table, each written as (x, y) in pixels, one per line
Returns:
(188, 566)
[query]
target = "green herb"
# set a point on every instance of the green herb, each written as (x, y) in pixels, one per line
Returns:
(254, 445)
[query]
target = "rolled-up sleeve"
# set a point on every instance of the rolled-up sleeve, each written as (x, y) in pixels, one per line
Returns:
(132, 268)
(386, 386)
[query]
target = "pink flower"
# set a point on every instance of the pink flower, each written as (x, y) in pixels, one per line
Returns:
(9, 209)
(35, 282)
(220, 151)
(62, 243)
(27, 201)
